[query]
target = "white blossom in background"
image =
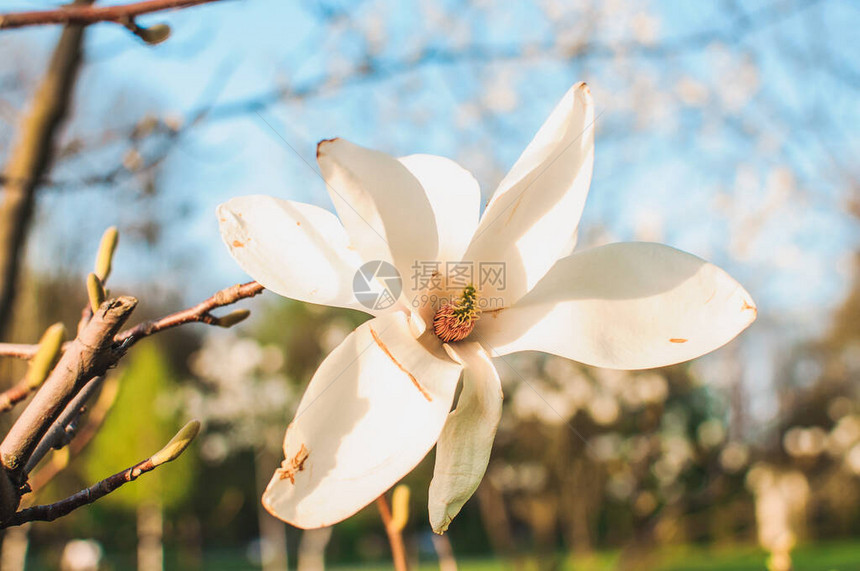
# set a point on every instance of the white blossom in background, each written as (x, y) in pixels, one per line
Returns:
(383, 398)
(691, 92)
(844, 434)
(711, 433)
(81, 555)
(242, 396)
(802, 442)
(554, 390)
(501, 95)
(734, 457)
(520, 477)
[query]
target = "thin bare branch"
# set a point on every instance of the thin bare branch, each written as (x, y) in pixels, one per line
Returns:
(18, 350)
(85, 15)
(395, 537)
(200, 313)
(46, 356)
(50, 512)
(377, 69)
(25, 351)
(15, 394)
(38, 479)
(45, 422)
(60, 433)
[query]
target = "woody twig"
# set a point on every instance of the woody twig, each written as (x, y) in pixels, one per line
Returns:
(50, 512)
(72, 374)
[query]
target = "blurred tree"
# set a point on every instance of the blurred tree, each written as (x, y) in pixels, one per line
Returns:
(245, 401)
(30, 159)
(141, 420)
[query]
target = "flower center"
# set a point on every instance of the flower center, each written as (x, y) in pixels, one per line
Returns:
(456, 319)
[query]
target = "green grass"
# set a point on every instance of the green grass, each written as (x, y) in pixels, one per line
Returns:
(821, 557)
(833, 556)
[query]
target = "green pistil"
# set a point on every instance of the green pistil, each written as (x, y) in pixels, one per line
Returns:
(466, 308)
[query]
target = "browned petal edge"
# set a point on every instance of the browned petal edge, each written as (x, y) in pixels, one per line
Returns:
(324, 142)
(401, 367)
(289, 468)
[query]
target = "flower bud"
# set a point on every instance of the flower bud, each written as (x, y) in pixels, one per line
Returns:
(232, 318)
(95, 291)
(154, 34)
(105, 255)
(50, 348)
(177, 444)
(400, 507)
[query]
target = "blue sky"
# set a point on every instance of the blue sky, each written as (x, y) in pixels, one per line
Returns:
(697, 178)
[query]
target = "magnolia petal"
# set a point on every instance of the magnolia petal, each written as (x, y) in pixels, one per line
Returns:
(372, 411)
(463, 450)
(297, 250)
(455, 197)
(624, 306)
(531, 220)
(382, 205)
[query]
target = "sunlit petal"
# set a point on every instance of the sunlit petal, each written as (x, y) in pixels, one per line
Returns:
(532, 219)
(382, 205)
(455, 197)
(372, 411)
(296, 250)
(624, 306)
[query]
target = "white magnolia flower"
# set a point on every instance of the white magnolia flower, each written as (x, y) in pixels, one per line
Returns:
(381, 400)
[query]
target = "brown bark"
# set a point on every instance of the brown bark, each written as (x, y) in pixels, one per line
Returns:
(88, 356)
(98, 347)
(95, 492)
(172, 450)
(395, 537)
(31, 157)
(15, 394)
(85, 15)
(200, 313)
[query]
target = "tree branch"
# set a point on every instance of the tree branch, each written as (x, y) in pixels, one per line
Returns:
(50, 512)
(89, 355)
(85, 15)
(395, 537)
(15, 394)
(47, 354)
(60, 433)
(98, 346)
(38, 479)
(18, 350)
(31, 156)
(200, 313)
